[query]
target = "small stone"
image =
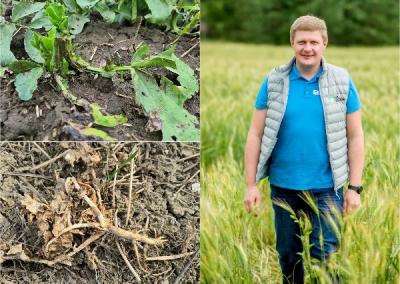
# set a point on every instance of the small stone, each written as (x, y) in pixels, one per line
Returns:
(196, 187)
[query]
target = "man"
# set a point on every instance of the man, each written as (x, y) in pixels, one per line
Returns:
(306, 136)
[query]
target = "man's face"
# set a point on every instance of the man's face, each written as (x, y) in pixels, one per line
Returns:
(309, 48)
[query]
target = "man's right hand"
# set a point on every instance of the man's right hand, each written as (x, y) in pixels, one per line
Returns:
(252, 198)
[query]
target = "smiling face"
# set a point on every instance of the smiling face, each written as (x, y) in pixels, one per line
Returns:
(309, 47)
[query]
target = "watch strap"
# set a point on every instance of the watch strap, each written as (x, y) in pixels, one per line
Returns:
(357, 189)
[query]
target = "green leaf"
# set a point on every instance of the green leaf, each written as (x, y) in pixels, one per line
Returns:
(40, 20)
(76, 23)
(87, 4)
(32, 51)
(6, 32)
(106, 120)
(188, 26)
(56, 14)
(161, 103)
(160, 11)
(134, 10)
(185, 76)
(124, 12)
(23, 9)
(167, 59)
(46, 46)
(107, 14)
(140, 53)
(156, 61)
(71, 6)
(89, 131)
(22, 66)
(26, 83)
(161, 60)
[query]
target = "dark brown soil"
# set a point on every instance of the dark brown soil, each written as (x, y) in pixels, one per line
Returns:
(97, 43)
(36, 204)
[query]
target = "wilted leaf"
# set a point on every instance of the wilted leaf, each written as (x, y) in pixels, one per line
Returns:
(76, 23)
(32, 51)
(23, 9)
(106, 120)
(22, 66)
(26, 83)
(177, 123)
(6, 32)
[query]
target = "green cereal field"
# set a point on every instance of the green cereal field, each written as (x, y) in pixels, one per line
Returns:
(240, 248)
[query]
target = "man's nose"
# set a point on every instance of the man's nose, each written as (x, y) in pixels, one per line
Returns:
(307, 47)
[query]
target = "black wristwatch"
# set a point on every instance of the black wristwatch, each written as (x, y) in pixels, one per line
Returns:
(357, 189)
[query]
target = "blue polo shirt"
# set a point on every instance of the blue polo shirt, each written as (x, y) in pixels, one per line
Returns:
(300, 159)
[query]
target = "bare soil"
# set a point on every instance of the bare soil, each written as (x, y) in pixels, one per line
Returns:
(47, 116)
(64, 219)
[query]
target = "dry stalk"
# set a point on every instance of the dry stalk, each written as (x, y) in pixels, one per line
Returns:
(70, 228)
(170, 257)
(128, 263)
(44, 164)
(128, 214)
(119, 232)
(137, 256)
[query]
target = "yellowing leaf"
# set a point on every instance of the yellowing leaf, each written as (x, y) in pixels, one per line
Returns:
(89, 131)
(106, 120)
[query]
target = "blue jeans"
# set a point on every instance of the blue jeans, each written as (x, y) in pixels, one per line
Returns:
(288, 243)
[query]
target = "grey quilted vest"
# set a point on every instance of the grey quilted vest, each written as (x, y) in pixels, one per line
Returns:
(333, 86)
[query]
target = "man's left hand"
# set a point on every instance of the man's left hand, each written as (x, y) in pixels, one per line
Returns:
(352, 201)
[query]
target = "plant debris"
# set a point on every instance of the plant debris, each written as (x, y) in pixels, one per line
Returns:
(62, 214)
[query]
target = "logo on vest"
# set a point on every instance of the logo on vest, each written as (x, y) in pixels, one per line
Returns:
(340, 99)
(335, 99)
(315, 92)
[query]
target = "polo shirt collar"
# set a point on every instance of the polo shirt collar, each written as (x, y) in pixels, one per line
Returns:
(295, 74)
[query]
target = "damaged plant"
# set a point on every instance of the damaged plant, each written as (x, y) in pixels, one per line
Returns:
(53, 55)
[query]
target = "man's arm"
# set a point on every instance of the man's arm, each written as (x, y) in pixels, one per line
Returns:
(355, 145)
(252, 153)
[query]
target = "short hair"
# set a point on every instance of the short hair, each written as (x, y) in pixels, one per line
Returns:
(309, 23)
